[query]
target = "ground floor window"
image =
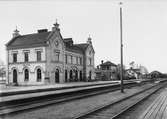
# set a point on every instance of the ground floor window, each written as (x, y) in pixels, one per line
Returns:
(76, 75)
(26, 75)
(14, 76)
(39, 75)
(57, 76)
(80, 75)
(66, 75)
(90, 75)
(71, 75)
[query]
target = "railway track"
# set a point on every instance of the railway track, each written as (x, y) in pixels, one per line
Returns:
(116, 109)
(16, 106)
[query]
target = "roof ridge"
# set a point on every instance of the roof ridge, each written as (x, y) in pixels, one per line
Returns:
(34, 33)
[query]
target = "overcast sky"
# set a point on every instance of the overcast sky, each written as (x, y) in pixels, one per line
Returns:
(144, 27)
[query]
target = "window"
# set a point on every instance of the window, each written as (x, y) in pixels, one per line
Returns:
(38, 55)
(39, 75)
(80, 61)
(57, 56)
(26, 56)
(90, 61)
(77, 60)
(66, 58)
(71, 59)
(26, 75)
(15, 57)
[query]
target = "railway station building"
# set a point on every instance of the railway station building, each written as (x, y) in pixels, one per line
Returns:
(106, 71)
(46, 57)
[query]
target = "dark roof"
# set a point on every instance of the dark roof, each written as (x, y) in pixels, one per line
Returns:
(83, 46)
(39, 39)
(108, 63)
(29, 39)
(67, 39)
(155, 72)
(79, 48)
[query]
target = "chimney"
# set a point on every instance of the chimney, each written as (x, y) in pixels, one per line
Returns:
(42, 30)
(101, 61)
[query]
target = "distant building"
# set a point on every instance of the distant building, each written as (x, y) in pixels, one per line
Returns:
(46, 57)
(136, 71)
(106, 71)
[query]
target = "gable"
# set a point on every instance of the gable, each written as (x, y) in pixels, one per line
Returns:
(90, 50)
(56, 41)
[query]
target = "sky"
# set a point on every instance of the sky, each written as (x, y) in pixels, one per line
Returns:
(144, 27)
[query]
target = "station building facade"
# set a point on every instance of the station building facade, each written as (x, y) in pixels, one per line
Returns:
(46, 57)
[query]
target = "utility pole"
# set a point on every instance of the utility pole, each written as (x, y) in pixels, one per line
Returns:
(121, 49)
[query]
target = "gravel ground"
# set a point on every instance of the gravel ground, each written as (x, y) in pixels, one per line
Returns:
(72, 108)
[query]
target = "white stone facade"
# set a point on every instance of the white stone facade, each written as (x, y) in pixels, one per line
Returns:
(59, 62)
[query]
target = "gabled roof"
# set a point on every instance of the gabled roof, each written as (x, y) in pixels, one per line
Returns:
(29, 40)
(74, 48)
(39, 39)
(82, 46)
(108, 63)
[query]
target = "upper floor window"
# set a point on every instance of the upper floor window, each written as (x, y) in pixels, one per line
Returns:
(108, 68)
(71, 59)
(76, 60)
(90, 61)
(57, 54)
(26, 56)
(38, 55)
(66, 59)
(14, 57)
(80, 60)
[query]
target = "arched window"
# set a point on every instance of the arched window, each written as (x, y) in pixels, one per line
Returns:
(39, 75)
(76, 75)
(80, 75)
(71, 75)
(66, 75)
(90, 75)
(26, 75)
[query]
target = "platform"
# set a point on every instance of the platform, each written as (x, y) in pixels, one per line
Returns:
(9, 89)
(158, 109)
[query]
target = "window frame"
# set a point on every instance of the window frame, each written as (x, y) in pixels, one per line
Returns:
(14, 57)
(26, 75)
(39, 75)
(39, 55)
(26, 57)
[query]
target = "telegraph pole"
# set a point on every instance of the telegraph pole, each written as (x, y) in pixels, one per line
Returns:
(121, 49)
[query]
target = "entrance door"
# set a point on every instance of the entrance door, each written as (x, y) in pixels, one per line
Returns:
(15, 76)
(57, 76)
